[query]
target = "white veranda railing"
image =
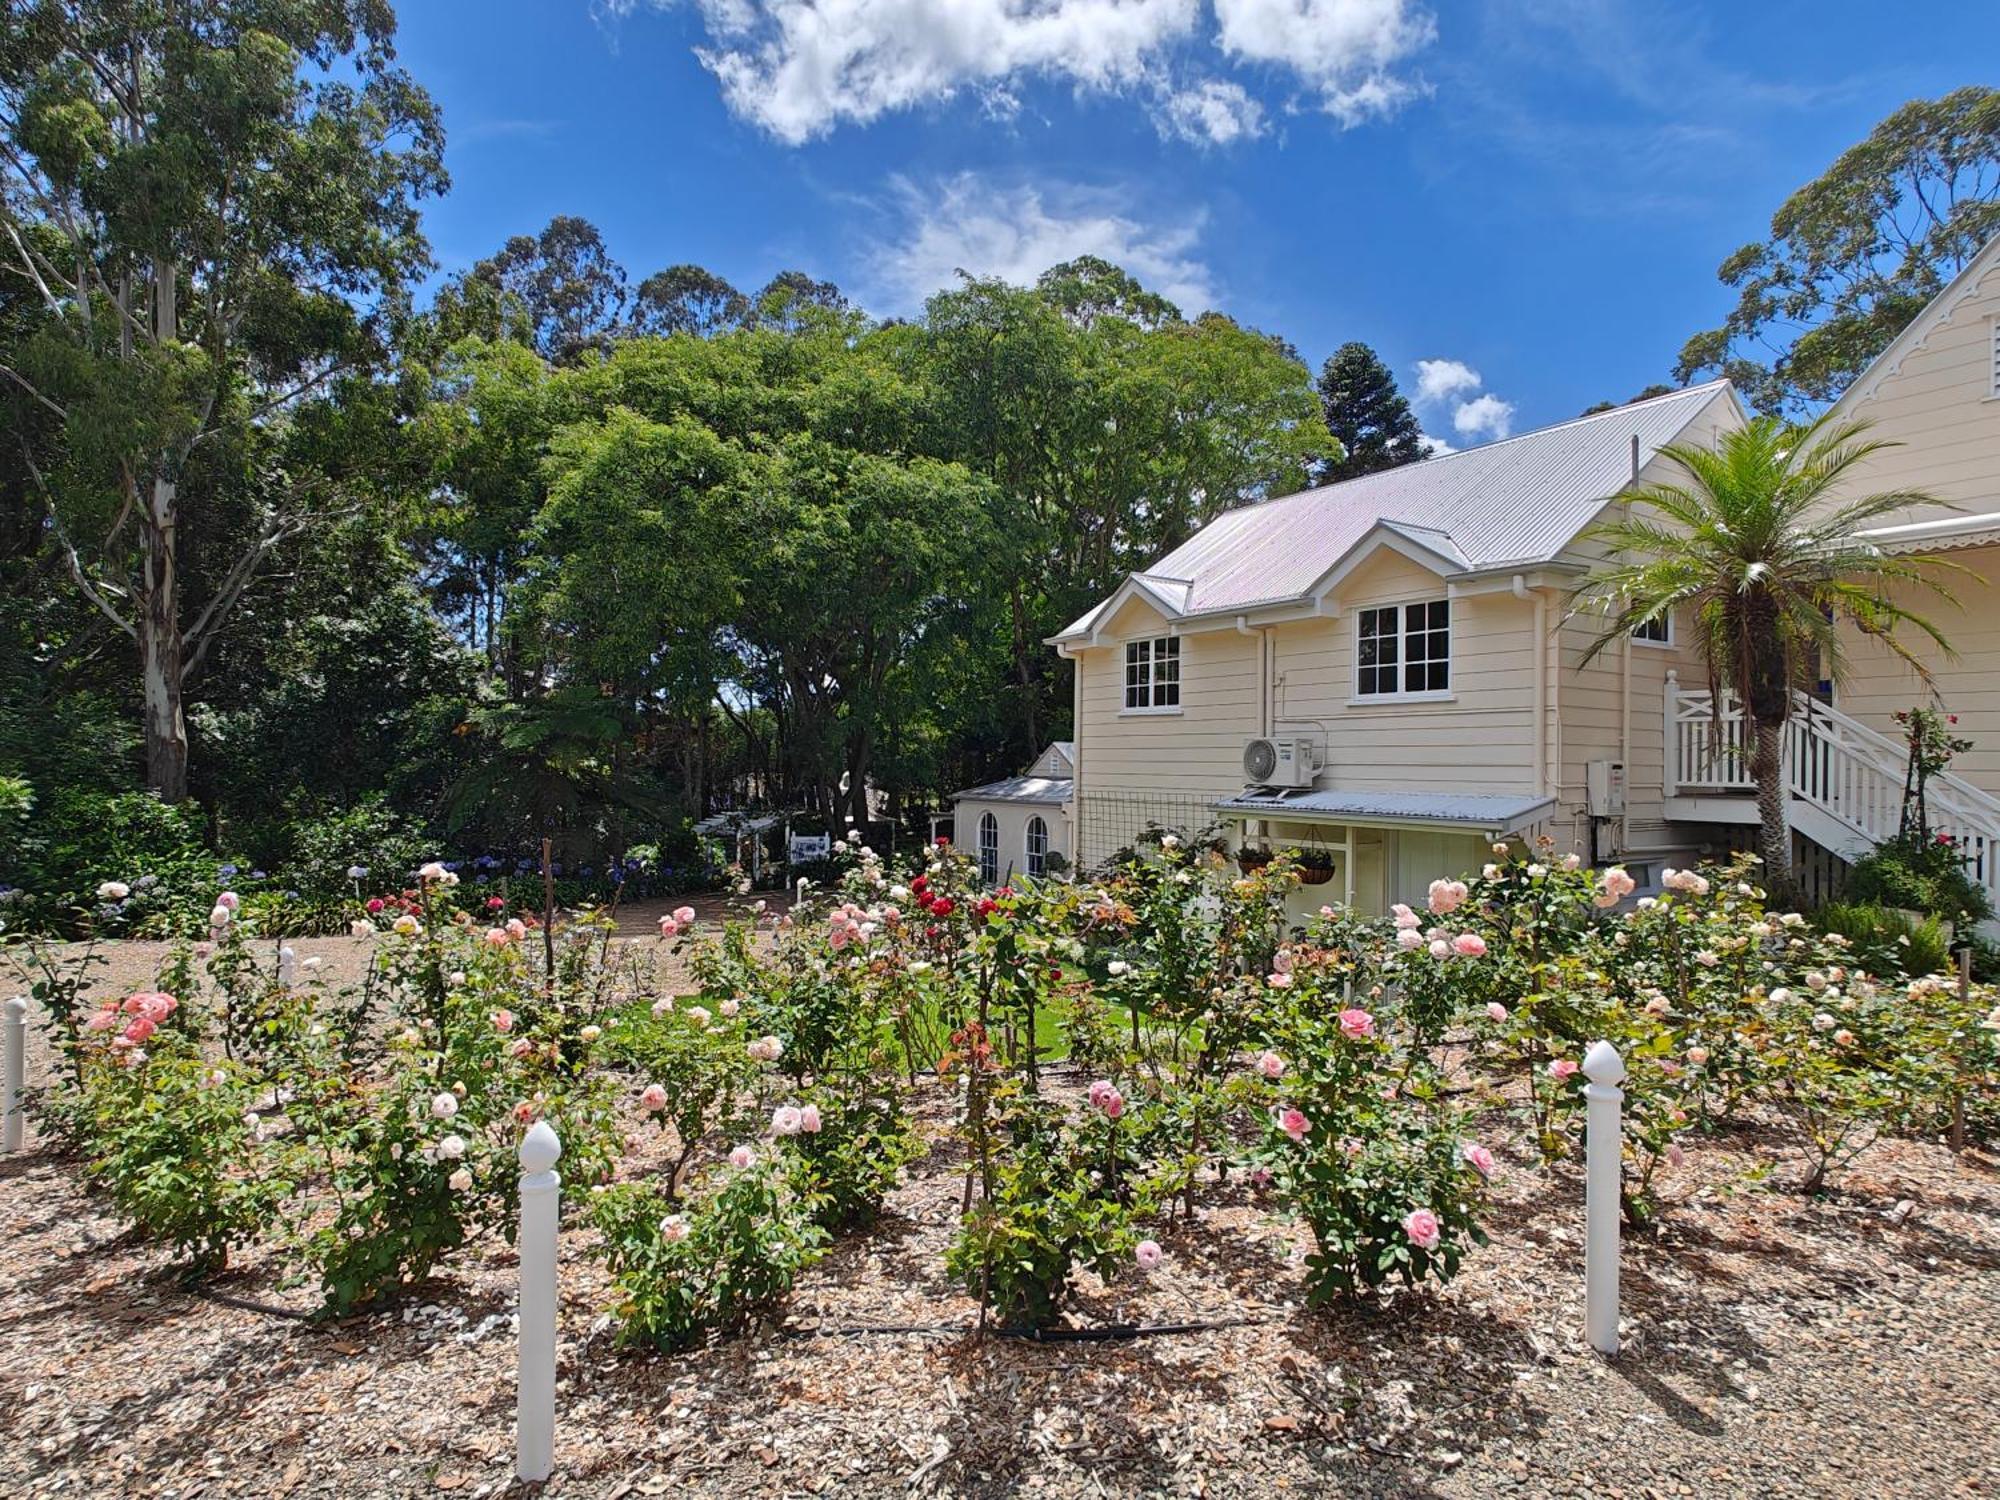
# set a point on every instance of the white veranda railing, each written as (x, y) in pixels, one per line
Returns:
(1836, 765)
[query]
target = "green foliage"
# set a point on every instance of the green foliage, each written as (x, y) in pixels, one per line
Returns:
(1056, 1202)
(1369, 418)
(76, 841)
(1921, 873)
(1856, 253)
(180, 1156)
(1885, 940)
(855, 1158)
(729, 1256)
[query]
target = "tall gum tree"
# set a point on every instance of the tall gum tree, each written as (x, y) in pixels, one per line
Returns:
(214, 203)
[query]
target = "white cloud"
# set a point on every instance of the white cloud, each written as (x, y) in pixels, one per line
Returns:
(1017, 232)
(1343, 48)
(1486, 414)
(800, 68)
(1441, 379)
(1434, 447)
(1213, 112)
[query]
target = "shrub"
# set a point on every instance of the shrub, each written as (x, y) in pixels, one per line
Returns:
(854, 1152)
(727, 1256)
(1885, 940)
(1920, 872)
(1055, 1201)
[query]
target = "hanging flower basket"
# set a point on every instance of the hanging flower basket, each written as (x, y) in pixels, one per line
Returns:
(1249, 861)
(1315, 869)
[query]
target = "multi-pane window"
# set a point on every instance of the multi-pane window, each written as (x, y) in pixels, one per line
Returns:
(1153, 672)
(1660, 631)
(1037, 849)
(1403, 649)
(989, 849)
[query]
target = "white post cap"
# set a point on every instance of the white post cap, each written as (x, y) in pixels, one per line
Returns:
(1602, 1064)
(17, 1008)
(539, 1148)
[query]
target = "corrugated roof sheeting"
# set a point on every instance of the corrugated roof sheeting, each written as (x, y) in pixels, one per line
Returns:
(1518, 501)
(1054, 790)
(1477, 811)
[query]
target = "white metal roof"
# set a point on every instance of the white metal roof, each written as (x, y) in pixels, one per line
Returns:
(1053, 790)
(1476, 812)
(1515, 503)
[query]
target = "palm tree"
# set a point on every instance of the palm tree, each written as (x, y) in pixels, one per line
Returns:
(1758, 550)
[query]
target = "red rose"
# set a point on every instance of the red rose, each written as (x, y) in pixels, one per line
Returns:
(375, 905)
(944, 906)
(943, 842)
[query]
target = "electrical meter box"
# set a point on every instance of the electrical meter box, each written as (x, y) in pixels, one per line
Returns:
(1604, 789)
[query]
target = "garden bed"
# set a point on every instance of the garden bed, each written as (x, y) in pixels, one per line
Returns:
(1776, 1346)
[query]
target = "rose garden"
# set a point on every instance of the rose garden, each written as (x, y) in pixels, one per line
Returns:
(1132, 1113)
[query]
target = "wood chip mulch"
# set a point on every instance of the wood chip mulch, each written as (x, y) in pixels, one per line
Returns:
(1775, 1347)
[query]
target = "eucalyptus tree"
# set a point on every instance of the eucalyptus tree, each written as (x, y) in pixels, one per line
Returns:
(214, 203)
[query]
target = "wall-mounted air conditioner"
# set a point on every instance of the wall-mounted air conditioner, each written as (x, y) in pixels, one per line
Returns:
(1284, 763)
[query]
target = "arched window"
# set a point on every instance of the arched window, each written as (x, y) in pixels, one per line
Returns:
(1037, 848)
(989, 848)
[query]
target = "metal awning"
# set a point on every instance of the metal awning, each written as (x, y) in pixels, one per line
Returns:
(1491, 813)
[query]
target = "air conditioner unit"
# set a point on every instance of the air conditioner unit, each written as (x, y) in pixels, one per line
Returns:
(1292, 763)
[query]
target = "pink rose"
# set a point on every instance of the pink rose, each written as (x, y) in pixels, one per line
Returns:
(1148, 1254)
(1279, 981)
(137, 1030)
(1479, 1159)
(653, 1098)
(742, 1156)
(496, 937)
(522, 1047)
(1696, 1056)
(1469, 945)
(809, 1119)
(229, 899)
(1271, 1065)
(684, 915)
(785, 1120)
(1440, 948)
(1495, 1011)
(1562, 1068)
(1294, 1123)
(503, 1021)
(1357, 1024)
(1447, 895)
(669, 927)
(1409, 939)
(1421, 1226)
(102, 1020)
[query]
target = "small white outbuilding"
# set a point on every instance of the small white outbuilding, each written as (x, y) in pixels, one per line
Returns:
(1012, 827)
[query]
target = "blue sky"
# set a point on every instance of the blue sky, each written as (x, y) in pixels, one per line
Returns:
(1529, 195)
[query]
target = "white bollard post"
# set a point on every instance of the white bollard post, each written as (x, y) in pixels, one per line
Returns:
(288, 966)
(14, 1071)
(1603, 1160)
(541, 1201)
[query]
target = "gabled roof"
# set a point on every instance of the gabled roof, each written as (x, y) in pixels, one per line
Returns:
(1053, 790)
(1936, 313)
(1517, 503)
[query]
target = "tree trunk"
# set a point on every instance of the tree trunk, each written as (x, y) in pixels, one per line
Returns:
(161, 649)
(1774, 832)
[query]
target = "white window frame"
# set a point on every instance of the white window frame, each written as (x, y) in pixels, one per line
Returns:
(1445, 694)
(1033, 860)
(1151, 680)
(989, 849)
(1667, 640)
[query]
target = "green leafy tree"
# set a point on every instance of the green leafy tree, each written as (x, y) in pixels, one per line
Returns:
(1366, 414)
(214, 202)
(1855, 254)
(1756, 547)
(688, 299)
(569, 290)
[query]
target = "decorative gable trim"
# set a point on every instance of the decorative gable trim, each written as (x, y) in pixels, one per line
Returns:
(1913, 339)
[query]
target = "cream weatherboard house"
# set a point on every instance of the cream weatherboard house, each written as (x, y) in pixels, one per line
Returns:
(1382, 671)
(1021, 824)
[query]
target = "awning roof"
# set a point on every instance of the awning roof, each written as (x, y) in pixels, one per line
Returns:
(1053, 790)
(1475, 812)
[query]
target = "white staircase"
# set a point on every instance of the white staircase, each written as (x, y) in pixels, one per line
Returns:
(1845, 780)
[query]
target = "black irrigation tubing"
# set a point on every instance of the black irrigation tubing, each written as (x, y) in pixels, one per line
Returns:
(247, 1305)
(1105, 1334)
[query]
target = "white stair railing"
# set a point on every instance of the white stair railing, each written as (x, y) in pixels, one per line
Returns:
(1838, 765)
